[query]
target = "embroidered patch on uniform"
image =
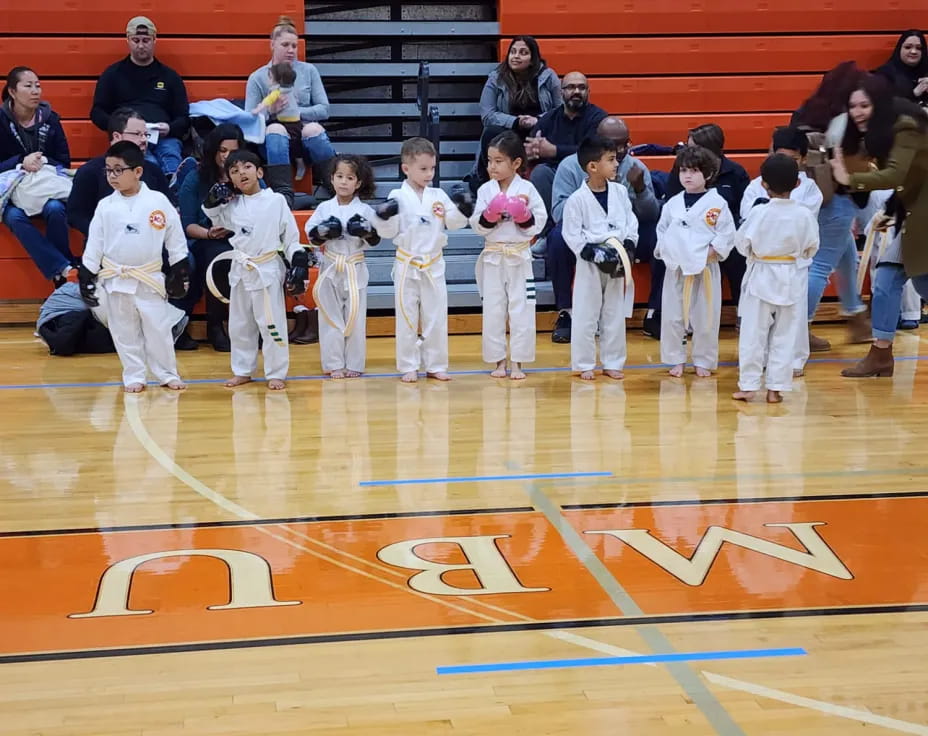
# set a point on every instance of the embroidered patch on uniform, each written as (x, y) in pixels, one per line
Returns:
(159, 85)
(246, 230)
(157, 220)
(712, 216)
(438, 209)
(423, 220)
(132, 230)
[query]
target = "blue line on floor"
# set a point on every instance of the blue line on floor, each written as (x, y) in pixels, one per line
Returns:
(550, 664)
(642, 366)
(479, 478)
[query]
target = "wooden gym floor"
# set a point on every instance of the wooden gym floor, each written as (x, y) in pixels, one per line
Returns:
(328, 559)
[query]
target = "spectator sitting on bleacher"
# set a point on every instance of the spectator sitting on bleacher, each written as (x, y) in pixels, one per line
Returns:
(561, 261)
(142, 82)
(559, 132)
(31, 134)
(516, 94)
(306, 138)
(907, 69)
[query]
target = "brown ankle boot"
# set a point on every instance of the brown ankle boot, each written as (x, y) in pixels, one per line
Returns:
(305, 328)
(858, 329)
(818, 344)
(879, 362)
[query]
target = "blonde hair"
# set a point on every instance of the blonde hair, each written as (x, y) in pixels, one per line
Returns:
(414, 147)
(284, 25)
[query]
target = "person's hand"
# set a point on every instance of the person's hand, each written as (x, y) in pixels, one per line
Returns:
(838, 169)
(518, 210)
(922, 87)
(219, 233)
(162, 128)
(495, 208)
(545, 148)
(280, 103)
(527, 122)
(882, 223)
(33, 162)
(635, 178)
(531, 146)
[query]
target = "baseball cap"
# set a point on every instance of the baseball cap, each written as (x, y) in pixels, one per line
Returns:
(142, 26)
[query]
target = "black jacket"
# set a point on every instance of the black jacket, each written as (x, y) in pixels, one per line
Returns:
(156, 91)
(566, 133)
(90, 186)
(730, 183)
(50, 138)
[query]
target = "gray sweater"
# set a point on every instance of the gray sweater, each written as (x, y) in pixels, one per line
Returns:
(570, 177)
(310, 94)
(494, 100)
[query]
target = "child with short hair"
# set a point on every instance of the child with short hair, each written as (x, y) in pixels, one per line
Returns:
(282, 77)
(129, 230)
(601, 229)
(776, 238)
(695, 232)
(509, 213)
(262, 226)
(343, 227)
(417, 217)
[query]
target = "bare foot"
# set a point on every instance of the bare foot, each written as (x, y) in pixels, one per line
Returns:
(774, 397)
(743, 395)
(798, 372)
(439, 376)
(410, 377)
(588, 376)
(276, 384)
(338, 373)
(676, 371)
(237, 381)
(617, 375)
(175, 384)
(517, 374)
(500, 371)
(134, 388)
(352, 374)
(703, 372)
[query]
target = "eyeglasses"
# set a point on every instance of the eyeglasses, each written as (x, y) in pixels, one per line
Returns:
(139, 134)
(116, 172)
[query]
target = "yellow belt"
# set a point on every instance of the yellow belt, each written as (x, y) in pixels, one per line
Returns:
(412, 261)
(342, 264)
(864, 263)
(688, 283)
(775, 259)
(507, 249)
(250, 263)
(111, 269)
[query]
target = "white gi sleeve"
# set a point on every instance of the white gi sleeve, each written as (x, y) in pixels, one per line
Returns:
(724, 239)
(93, 250)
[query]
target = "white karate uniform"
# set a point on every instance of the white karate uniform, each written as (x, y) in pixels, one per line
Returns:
(911, 301)
(776, 238)
(262, 225)
(130, 233)
(421, 296)
(341, 289)
(683, 241)
(599, 299)
(504, 274)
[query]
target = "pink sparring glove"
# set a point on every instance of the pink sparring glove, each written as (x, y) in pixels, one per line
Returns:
(496, 208)
(518, 210)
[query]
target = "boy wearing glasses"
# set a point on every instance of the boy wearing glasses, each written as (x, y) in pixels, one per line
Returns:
(123, 255)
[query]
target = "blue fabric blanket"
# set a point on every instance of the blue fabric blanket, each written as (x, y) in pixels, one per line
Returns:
(223, 111)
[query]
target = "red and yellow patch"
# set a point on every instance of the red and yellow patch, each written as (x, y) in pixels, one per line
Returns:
(157, 220)
(438, 209)
(712, 216)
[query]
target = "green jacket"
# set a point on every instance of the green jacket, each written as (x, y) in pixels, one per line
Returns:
(906, 171)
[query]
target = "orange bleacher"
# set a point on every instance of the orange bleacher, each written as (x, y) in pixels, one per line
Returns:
(213, 46)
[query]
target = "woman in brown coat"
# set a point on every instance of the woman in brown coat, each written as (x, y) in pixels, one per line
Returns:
(894, 132)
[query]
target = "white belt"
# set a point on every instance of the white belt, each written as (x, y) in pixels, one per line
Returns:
(111, 270)
(342, 264)
(250, 263)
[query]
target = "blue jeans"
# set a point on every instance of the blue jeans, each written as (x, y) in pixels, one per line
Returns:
(316, 149)
(836, 251)
(887, 298)
(165, 153)
(51, 251)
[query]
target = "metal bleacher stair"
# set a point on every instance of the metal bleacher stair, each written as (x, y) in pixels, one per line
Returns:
(369, 55)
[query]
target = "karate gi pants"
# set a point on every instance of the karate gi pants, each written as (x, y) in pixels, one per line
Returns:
(599, 300)
(140, 325)
(247, 320)
(703, 320)
(768, 335)
(425, 299)
(508, 289)
(338, 352)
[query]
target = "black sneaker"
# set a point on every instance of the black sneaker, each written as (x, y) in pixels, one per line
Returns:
(218, 338)
(652, 325)
(561, 331)
(185, 342)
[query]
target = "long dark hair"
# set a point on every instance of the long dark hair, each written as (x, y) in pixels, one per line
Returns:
(523, 89)
(209, 171)
(510, 145)
(12, 79)
(362, 169)
(877, 141)
(920, 69)
(830, 99)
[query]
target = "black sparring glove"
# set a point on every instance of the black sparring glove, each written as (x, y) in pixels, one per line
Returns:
(220, 193)
(388, 209)
(361, 227)
(326, 230)
(605, 257)
(178, 281)
(298, 273)
(760, 200)
(463, 199)
(88, 286)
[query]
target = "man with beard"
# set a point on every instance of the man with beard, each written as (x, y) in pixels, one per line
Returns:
(558, 133)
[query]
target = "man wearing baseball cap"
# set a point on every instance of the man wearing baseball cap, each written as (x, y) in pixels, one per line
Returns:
(155, 90)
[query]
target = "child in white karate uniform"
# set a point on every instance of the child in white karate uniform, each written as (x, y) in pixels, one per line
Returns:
(416, 216)
(128, 232)
(776, 239)
(509, 213)
(343, 227)
(262, 226)
(601, 228)
(696, 230)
